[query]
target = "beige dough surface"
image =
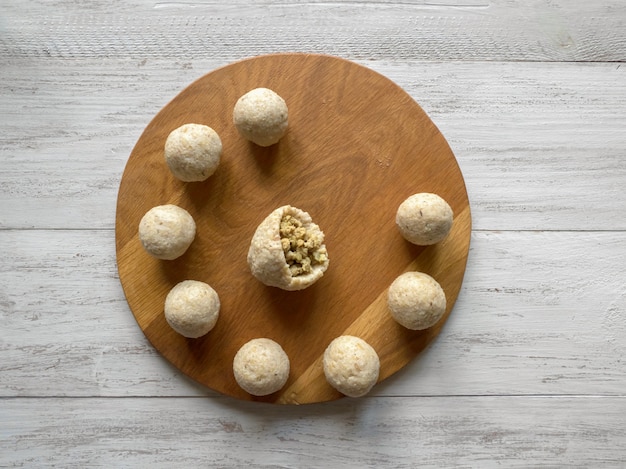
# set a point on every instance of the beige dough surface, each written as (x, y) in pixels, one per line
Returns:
(351, 365)
(192, 308)
(261, 367)
(261, 116)
(266, 256)
(167, 231)
(424, 219)
(192, 152)
(416, 300)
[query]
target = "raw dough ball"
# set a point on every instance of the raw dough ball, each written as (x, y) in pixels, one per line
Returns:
(261, 116)
(351, 365)
(166, 231)
(192, 308)
(287, 250)
(416, 300)
(424, 219)
(192, 152)
(261, 367)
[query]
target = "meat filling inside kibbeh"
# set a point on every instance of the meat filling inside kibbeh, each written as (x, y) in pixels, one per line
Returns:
(303, 248)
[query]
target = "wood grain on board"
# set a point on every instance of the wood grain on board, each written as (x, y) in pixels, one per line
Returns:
(356, 147)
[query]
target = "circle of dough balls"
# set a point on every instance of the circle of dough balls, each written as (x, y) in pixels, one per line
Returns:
(192, 152)
(261, 116)
(416, 300)
(166, 231)
(424, 219)
(261, 367)
(351, 365)
(192, 308)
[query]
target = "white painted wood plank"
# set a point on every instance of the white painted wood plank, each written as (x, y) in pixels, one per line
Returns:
(486, 432)
(539, 313)
(421, 30)
(541, 145)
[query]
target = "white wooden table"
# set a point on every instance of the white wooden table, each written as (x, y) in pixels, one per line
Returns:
(530, 369)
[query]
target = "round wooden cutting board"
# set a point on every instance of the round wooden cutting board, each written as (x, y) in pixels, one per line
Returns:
(356, 147)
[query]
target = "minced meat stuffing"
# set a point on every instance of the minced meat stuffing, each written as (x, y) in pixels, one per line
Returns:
(303, 248)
